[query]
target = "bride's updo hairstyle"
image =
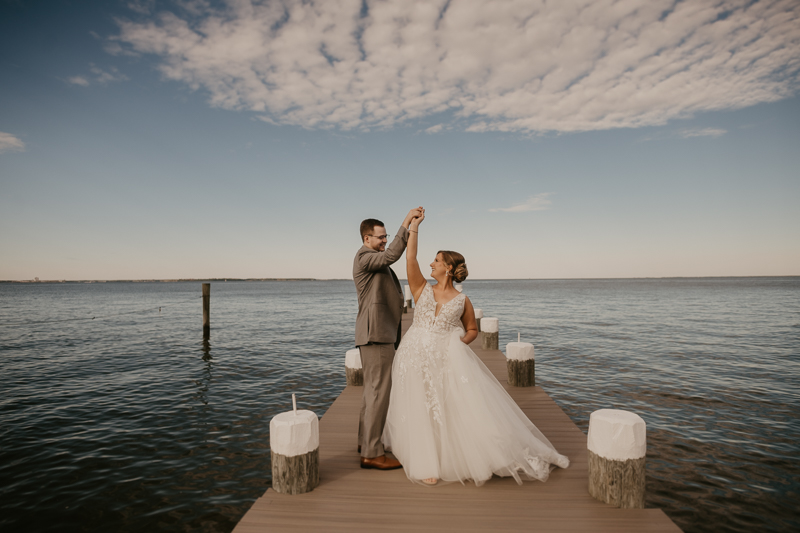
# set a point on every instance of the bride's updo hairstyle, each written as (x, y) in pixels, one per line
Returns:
(457, 264)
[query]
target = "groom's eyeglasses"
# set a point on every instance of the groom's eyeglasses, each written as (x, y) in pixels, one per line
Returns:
(381, 237)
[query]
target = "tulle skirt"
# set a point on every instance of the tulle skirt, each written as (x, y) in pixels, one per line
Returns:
(450, 419)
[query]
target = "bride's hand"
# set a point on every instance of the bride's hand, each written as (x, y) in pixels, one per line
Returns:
(415, 222)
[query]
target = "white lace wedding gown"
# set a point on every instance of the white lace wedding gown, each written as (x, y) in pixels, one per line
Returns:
(449, 418)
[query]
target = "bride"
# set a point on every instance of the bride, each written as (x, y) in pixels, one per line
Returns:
(449, 418)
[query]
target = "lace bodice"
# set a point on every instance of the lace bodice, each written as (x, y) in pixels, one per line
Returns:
(449, 317)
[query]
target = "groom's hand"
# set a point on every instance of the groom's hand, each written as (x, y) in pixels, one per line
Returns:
(417, 212)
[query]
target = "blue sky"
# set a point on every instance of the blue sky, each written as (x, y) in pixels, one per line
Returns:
(192, 139)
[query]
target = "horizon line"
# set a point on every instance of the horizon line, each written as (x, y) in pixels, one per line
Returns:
(223, 280)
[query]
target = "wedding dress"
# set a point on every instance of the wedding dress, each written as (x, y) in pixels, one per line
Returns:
(449, 418)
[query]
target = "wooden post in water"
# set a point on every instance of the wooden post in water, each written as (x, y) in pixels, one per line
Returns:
(206, 310)
(617, 448)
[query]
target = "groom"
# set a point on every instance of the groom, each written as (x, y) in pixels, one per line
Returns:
(380, 309)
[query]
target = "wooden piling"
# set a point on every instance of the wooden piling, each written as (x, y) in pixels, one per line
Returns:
(206, 310)
(295, 475)
(353, 368)
(521, 373)
(617, 445)
(294, 449)
(489, 340)
(619, 483)
(521, 363)
(490, 333)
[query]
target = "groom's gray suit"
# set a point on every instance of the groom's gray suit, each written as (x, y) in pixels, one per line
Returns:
(380, 310)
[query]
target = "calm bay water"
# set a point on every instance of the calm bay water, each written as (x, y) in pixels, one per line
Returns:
(129, 422)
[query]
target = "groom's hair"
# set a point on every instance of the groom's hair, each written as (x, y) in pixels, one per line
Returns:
(368, 225)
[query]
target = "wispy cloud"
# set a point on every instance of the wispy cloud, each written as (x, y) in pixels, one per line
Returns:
(99, 76)
(143, 7)
(702, 132)
(434, 129)
(10, 143)
(539, 202)
(686, 133)
(484, 65)
(107, 76)
(78, 80)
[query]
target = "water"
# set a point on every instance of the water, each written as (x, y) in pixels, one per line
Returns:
(129, 422)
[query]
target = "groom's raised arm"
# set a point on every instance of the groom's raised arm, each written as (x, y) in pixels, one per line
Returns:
(372, 261)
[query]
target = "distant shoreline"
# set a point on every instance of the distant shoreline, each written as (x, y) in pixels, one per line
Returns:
(153, 280)
(184, 280)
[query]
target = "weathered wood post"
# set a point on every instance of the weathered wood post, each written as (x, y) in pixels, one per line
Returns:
(294, 448)
(478, 317)
(490, 328)
(408, 297)
(352, 365)
(617, 445)
(521, 364)
(206, 310)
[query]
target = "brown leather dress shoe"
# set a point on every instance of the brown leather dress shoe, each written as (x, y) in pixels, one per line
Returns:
(380, 463)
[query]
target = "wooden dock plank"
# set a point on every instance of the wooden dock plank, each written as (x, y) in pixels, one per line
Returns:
(349, 498)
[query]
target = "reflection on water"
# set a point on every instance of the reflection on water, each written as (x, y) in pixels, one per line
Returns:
(137, 423)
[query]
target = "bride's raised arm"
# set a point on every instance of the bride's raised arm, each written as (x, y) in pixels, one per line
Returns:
(416, 281)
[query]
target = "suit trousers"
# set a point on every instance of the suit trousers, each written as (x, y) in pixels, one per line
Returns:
(376, 360)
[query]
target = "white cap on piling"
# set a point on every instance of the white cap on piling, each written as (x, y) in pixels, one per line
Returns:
(490, 325)
(617, 435)
(352, 359)
(520, 351)
(291, 434)
(407, 292)
(478, 313)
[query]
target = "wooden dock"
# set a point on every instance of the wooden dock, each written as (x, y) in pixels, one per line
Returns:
(351, 499)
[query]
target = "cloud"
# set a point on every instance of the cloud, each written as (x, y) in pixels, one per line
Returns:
(686, 133)
(78, 80)
(702, 132)
(143, 7)
(10, 143)
(434, 129)
(480, 65)
(100, 76)
(107, 76)
(540, 202)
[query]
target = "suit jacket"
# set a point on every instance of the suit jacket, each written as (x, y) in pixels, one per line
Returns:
(380, 296)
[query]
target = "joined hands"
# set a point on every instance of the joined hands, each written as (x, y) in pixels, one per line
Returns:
(414, 218)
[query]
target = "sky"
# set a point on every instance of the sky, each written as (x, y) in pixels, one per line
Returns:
(236, 139)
